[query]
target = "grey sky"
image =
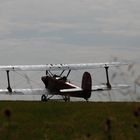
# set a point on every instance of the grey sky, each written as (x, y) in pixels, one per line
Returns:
(62, 19)
(49, 24)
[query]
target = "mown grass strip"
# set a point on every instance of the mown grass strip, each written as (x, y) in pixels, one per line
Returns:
(73, 120)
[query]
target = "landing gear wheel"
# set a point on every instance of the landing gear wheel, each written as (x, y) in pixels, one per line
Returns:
(86, 99)
(66, 98)
(43, 98)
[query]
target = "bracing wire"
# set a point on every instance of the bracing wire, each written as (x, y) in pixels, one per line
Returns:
(28, 80)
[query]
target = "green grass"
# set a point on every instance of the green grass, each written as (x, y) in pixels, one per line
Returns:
(71, 121)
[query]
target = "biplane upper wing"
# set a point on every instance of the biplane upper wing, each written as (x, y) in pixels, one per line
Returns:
(56, 67)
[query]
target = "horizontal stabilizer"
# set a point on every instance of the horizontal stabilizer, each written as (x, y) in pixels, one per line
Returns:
(97, 88)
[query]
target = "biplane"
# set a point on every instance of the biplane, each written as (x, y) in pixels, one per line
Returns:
(55, 84)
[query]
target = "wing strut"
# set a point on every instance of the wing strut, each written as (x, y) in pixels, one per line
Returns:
(62, 73)
(107, 77)
(68, 73)
(8, 79)
(49, 73)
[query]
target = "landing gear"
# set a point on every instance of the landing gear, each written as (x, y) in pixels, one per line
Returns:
(43, 98)
(86, 99)
(66, 98)
(46, 97)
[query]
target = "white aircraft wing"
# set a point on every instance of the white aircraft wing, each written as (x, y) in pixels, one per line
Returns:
(97, 88)
(38, 91)
(56, 67)
(104, 87)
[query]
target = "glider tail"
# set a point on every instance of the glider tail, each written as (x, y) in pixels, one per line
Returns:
(86, 85)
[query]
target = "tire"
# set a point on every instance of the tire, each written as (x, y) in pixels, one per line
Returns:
(43, 98)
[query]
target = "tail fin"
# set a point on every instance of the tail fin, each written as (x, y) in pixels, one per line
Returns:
(86, 84)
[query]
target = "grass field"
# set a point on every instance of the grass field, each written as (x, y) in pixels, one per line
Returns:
(71, 121)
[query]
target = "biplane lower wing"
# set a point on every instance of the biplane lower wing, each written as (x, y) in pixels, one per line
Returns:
(79, 92)
(113, 87)
(23, 91)
(40, 91)
(97, 88)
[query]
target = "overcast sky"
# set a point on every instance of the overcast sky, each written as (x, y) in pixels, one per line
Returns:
(41, 29)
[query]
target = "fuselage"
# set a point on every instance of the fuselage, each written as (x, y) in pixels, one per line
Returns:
(61, 86)
(55, 83)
